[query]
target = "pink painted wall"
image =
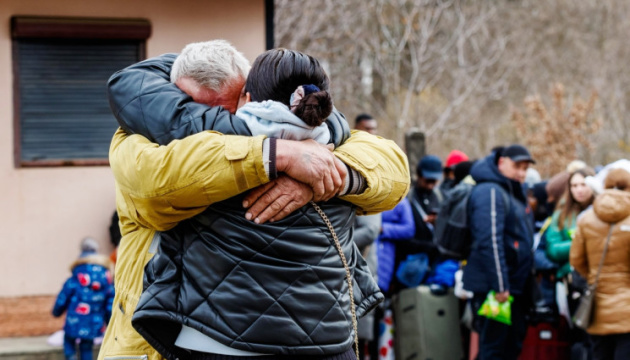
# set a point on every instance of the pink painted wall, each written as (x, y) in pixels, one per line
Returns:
(45, 212)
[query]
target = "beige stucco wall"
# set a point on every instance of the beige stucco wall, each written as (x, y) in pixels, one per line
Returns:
(46, 211)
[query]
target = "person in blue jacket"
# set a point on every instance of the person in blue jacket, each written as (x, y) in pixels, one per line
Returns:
(397, 225)
(501, 257)
(87, 298)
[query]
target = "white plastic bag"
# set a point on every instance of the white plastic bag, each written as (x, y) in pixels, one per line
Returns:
(563, 302)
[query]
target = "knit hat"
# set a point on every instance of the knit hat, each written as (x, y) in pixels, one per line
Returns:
(89, 245)
(455, 157)
(575, 165)
(462, 170)
(532, 177)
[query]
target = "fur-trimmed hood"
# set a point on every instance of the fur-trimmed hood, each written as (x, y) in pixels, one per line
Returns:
(95, 259)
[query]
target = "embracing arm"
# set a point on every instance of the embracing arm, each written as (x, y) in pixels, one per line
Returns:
(380, 163)
(164, 185)
(384, 167)
(167, 184)
(145, 102)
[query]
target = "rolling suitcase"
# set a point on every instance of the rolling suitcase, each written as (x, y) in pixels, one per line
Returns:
(427, 325)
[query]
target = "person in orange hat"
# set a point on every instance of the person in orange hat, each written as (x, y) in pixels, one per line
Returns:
(454, 157)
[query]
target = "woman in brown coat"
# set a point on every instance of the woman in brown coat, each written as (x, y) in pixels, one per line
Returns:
(611, 322)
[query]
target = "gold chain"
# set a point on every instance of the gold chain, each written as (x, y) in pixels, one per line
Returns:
(348, 275)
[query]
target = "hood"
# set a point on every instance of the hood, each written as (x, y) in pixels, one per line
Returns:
(612, 205)
(486, 170)
(94, 259)
(274, 119)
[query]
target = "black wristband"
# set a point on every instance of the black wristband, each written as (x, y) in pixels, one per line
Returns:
(350, 179)
(273, 172)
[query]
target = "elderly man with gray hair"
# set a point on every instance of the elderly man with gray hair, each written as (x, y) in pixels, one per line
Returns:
(160, 186)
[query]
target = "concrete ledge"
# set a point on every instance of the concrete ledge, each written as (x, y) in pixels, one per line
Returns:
(31, 348)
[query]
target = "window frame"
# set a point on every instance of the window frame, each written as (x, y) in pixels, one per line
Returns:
(66, 28)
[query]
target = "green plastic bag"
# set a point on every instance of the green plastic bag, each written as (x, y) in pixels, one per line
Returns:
(494, 310)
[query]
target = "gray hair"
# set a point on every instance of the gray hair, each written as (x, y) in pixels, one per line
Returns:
(212, 64)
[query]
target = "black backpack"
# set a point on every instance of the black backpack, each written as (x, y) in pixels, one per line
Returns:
(452, 229)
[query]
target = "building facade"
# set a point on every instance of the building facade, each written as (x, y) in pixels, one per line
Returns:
(55, 183)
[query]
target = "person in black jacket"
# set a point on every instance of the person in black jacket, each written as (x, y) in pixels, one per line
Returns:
(501, 257)
(425, 200)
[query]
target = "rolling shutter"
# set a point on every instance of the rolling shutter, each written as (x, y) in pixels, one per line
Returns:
(64, 111)
(60, 88)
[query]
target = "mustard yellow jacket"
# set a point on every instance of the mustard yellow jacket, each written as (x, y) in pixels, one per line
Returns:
(159, 186)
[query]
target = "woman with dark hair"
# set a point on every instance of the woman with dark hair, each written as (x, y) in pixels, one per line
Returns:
(286, 96)
(576, 199)
(237, 289)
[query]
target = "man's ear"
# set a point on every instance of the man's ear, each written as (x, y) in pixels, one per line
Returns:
(248, 97)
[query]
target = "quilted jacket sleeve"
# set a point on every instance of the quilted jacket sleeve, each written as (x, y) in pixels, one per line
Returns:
(145, 102)
(163, 185)
(487, 225)
(382, 164)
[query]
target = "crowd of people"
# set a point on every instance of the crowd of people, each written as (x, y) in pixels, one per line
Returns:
(535, 243)
(243, 242)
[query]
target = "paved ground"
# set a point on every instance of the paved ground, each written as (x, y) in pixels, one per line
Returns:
(25, 345)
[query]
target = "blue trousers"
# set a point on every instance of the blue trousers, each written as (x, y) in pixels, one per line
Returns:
(70, 348)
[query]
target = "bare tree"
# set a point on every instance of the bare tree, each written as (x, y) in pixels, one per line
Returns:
(455, 69)
(411, 63)
(559, 132)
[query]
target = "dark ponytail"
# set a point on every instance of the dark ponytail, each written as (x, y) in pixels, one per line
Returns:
(314, 108)
(277, 73)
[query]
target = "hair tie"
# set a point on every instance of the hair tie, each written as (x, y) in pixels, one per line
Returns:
(300, 93)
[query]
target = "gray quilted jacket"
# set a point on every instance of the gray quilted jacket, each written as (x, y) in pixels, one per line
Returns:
(275, 288)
